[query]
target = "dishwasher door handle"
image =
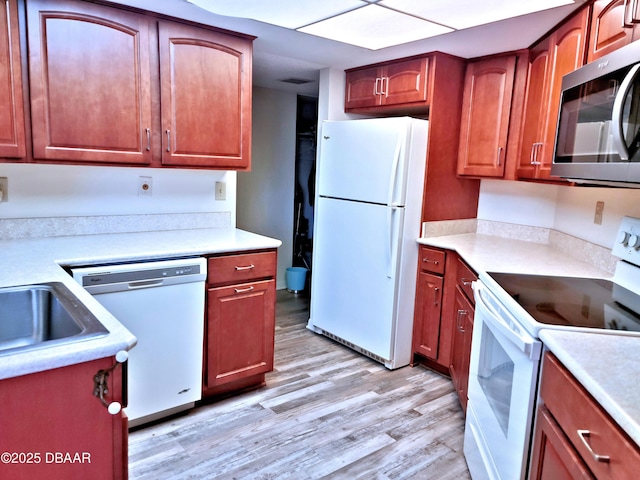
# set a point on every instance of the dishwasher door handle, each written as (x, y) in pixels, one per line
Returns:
(145, 284)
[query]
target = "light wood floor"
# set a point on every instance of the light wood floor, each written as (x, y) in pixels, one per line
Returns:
(326, 412)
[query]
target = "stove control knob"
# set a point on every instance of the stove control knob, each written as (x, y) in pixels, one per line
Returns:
(634, 241)
(623, 237)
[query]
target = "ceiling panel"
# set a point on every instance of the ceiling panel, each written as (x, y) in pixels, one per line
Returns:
(460, 14)
(374, 27)
(285, 13)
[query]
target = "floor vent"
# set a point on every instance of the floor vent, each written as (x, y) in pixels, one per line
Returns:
(355, 347)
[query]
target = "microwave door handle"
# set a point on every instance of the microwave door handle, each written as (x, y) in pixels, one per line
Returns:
(618, 104)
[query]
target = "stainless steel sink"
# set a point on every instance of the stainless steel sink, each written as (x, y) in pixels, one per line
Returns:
(43, 315)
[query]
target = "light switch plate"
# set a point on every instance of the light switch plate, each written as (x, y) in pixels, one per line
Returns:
(4, 188)
(221, 191)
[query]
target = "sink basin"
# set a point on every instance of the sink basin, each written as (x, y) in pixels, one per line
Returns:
(43, 315)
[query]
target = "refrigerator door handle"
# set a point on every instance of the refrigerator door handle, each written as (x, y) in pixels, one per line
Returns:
(394, 173)
(392, 211)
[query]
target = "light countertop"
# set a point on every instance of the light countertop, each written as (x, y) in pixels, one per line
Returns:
(39, 260)
(607, 365)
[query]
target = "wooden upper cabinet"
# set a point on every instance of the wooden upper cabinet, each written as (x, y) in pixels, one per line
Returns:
(90, 83)
(110, 86)
(406, 82)
(12, 134)
(205, 81)
(612, 26)
(486, 108)
(401, 84)
(560, 53)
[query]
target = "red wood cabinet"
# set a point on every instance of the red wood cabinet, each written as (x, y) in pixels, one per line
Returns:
(613, 25)
(240, 323)
(486, 108)
(205, 81)
(572, 429)
(110, 86)
(12, 133)
(403, 82)
(428, 306)
(462, 330)
(560, 53)
(54, 427)
(90, 83)
(553, 456)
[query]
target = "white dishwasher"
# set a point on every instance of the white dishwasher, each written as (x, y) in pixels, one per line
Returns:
(162, 304)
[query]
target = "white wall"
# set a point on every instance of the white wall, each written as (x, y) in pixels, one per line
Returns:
(564, 208)
(265, 195)
(67, 190)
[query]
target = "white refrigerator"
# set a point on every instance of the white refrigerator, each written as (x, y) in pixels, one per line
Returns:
(370, 179)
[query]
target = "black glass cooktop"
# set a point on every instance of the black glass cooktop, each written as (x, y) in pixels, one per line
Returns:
(571, 301)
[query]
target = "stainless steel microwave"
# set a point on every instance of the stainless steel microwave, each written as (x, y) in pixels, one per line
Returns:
(598, 136)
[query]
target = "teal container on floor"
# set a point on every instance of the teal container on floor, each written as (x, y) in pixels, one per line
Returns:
(295, 278)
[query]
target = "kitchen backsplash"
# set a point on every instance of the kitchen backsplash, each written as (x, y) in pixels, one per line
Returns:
(14, 228)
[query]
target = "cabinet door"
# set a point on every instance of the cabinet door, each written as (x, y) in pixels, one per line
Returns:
(553, 456)
(560, 54)
(205, 82)
(12, 136)
(569, 44)
(240, 331)
(363, 88)
(486, 107)
(535, 109)
(53, 414)
(462, 346)
(607, 30)
(426, 327)
(90, 83)
(405, 82)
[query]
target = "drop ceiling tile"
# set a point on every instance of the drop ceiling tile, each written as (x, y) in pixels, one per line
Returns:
(284, 13)
(460, 14)
(374, 27)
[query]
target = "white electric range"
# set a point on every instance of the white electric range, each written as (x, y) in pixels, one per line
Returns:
(511, 309)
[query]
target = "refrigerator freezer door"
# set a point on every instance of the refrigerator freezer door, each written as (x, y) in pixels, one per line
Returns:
(355, 273)
(364, 160)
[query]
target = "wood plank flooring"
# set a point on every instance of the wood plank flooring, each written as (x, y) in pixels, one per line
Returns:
(326, 413)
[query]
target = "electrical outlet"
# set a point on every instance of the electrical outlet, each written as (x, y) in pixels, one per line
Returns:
(221, 191)
(145, 185)
(597, 218)
(4, 189)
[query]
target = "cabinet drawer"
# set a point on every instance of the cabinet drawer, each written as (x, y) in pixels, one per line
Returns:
(575, 410)
(464, 277)
(228, 269)
(431, 260)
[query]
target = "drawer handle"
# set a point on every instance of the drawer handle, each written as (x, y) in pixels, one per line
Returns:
(246, 267)
(584, 434)
(243, 290)
(427, 260)
(461, 313)
(466, 282)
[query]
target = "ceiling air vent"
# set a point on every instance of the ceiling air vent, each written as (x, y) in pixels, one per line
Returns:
(296, 81)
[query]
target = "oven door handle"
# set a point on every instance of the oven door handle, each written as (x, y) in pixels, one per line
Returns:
(523, 341)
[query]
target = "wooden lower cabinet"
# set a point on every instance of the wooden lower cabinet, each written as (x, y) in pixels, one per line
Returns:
(574, 437)
(240, 326)
(461, 349)
(240, 321)
(553, 457)
(52, 426)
